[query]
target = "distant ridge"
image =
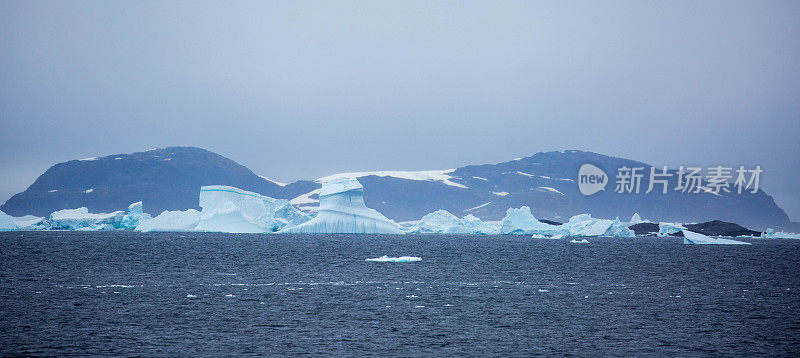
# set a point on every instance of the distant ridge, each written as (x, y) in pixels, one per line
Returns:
(170, 179)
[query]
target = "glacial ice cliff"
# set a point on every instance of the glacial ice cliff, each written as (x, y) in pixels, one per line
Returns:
(342, 210)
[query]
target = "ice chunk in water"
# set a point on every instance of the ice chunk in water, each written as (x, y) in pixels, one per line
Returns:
(395, 259)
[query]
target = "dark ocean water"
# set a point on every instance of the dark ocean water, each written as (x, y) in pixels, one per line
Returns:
(125, 293)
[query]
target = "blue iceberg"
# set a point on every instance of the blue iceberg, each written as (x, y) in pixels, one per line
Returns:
(342, 210)
(82, 219)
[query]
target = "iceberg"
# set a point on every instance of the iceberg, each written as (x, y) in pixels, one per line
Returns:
(586, 226)
(636, 219)
(134, 217)
(342, 210)
(522, 222)
(287, 215)
(230, 209)
(576, 241)
(395, 259)
(224, 209)
(666, 229)
(7, 222)
(693, 238)
(171, 221)
(771, 234)
(618, 229)
(435, 222)
(442, 221)
(30, 222)
(82, 219)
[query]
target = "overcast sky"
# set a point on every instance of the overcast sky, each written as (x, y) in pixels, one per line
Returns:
(304, 89)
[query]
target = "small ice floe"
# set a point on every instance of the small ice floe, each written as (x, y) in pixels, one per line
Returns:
(230, 295)
(419, 306)
(189, 295)
(693, 238)
(385, 258)
(543, 290)
(553, 237)
(448, 305)
(581, 241)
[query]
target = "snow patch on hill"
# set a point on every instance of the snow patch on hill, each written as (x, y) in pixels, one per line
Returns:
(423, 175)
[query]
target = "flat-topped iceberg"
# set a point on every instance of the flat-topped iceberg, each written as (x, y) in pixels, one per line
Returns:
(772, 234)
(82, 219)
(7, 222)
(522, 222)
(443, 222)
(230, 209)
(395, 259)
(342, 210)
(693, 238)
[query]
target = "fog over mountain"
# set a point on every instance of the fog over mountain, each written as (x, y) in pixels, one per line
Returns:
(303, 89)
